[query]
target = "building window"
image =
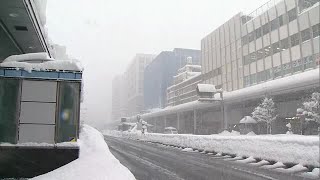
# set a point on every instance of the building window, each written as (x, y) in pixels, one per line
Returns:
(284, 44)
(277, 71)
(68, 103)
(251, 36)
(246, 59)
(316, 58)
(260, 54)
(275, 48)
(294, 39)
(258, 32)
(305, 35)
(304, 4)
(292, 14)
(268, 74)
(266, 29)
(245, 40)
(274, 24)
(253, 78)
(297, 65)
(249, 58)
(267, 51)
(253, 57)
(316, 30)
(282, 20)
(286, 68)
(308, 62)
(246, 81)
(261, 76)
(9, 108)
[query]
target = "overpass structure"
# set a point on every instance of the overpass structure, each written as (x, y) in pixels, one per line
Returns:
(206, 117)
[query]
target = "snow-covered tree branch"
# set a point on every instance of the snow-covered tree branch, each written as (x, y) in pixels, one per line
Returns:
(265, 112)
(311, 108)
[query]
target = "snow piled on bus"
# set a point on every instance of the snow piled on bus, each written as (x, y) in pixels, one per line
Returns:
(95, 161)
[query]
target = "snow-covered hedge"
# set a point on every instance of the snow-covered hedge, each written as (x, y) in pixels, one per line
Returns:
(283, 148)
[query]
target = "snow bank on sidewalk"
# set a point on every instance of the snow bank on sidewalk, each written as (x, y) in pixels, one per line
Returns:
(95, 161)
(284, 148)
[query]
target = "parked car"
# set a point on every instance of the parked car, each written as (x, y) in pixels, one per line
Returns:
(170, 130)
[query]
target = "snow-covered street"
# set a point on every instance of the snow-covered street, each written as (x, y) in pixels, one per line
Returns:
(147, 160)
(95, 161)
(284, 148)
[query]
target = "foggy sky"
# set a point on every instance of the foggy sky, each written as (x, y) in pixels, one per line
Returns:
(106, 34)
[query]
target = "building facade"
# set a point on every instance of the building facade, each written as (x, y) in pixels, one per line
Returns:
(184, 88)
(159, 74)
(134, 83)
(250, 49)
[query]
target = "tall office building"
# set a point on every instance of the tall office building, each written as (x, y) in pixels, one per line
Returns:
(134, 78)
(278, 39)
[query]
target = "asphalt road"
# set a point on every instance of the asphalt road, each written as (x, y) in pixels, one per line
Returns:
(149, 161)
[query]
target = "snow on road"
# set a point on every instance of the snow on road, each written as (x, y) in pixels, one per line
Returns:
(95, 161)
(283, 148)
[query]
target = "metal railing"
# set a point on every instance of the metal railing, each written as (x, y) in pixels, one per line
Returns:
(265, 7)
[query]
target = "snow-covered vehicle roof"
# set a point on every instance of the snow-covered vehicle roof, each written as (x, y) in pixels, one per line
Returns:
(248, 120)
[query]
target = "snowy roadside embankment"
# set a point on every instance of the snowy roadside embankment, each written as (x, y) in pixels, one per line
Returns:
(284, 148)
(95, 161)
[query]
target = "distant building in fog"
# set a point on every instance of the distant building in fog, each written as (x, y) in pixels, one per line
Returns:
(127, 95)
(158, 75)
(116, 97)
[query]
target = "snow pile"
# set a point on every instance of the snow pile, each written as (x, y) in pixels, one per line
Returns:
(251, 133)
(187, 150)
(95, 161)
(227, 133)
(209, 88)
(49, 65)
(283, 148)
(248, 160)
(40, 62)
(314, 174)
(28, 57)
(294, 169)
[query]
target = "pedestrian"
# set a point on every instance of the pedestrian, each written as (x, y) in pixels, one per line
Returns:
(144, 127)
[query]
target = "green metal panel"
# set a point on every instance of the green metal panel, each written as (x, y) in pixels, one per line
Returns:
(68, 109)
(9, 108)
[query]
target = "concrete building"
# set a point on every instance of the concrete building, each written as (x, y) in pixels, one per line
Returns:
(133, 80)
(280, 38)
(184, 88)
(272, 52)
(159, 75)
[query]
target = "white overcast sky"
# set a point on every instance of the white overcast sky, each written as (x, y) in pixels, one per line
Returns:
(105, 35)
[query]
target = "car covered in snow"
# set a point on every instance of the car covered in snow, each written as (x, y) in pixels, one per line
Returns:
(170, 130)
